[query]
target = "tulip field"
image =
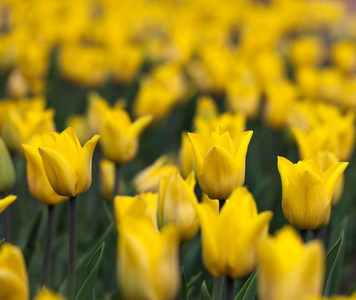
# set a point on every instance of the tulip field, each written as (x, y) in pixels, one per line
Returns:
(177, 150)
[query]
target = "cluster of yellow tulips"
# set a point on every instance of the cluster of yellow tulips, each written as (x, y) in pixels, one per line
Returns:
(224, 96)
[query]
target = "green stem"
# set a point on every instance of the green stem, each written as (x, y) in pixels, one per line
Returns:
(72, 249)
(6, 224)
(218, 288)
(47, 257)
(229, 288)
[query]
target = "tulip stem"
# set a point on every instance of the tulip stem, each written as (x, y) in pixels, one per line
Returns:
(218, 288)
(72, 249)
(221, 204)
(47, 257)
(303, 234)
(6, 224)
(117, 179)
(229, 288)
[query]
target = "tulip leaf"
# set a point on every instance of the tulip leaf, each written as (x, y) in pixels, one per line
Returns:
(204, 292)
(81, 260)
(2, 241)
(330, 262)
(86, 291)
(184, 292)
(193, 280)
(30, 245)
(248, 291)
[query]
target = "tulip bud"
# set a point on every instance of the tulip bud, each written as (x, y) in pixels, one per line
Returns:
(45, 294)
(7, 171)
(107, 178)
(307, 191)
(289, 269)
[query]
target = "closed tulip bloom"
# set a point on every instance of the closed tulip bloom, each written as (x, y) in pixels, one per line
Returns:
(13, 275)
(119, 136)
(6, 202)
(289, 269)
(107, 178)
(307, 190)
(7, 170)
(67, 164)
(185, 155)
(230, 239)
(147, 260)
(39, 185)
(176, 205)
(220, 161)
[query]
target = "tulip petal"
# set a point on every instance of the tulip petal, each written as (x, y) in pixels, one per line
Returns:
(302, 142)
(139, 125)
(331, 176)
(6, 202)
(307, 205)
(161, 199)
(221, 173)
(84, 165)
(285, 168)
(60, 175)
(199, 149)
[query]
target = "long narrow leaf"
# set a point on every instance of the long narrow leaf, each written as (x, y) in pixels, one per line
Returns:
(204, 292)
(248, 291)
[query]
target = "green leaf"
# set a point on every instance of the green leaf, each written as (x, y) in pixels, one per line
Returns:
(30, 245)
(2, 241)
(184, 292)
(193, 280)
(204, 292)
(86, 291)
(330, 262)
(81, 260)
(249, 290)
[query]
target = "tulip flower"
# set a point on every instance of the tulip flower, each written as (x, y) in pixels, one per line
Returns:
(107, 178)
(13, 274)
(147, 260)
(185, 155)
(119, 136)
(220, 161)
(230, 239)
(307, 190)
(7, 170)
(67, 164)
(176, 205)
(6, 202)
(45, 294)
(289, 269)
(338, 297)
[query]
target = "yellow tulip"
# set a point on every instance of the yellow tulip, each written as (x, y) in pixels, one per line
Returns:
(13, 274)
(147, 260)
(338, 297)
(79, 124)
(306, 51)
(67, 164)
(6, 202)
(149, 178)
(142, 204)
(7, 170)
(220, 161)
(98, 107)
(343, 54)
(176, 205)
(45, 294)
(185, 155)
(39, 185)
(230, 239)
(107, 178)
(119, 136)
(307, 190)
(289, 269)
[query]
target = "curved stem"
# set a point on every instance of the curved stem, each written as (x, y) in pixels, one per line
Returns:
(218, 288)
(229, 288)
(72, 249)
(47, 257)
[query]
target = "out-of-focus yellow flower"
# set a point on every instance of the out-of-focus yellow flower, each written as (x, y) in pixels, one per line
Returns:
(147, 260)
(324, 13)
(67, 164)
(327, 159)
(289, 269)
(269, 67)
(185, 156)
(330, 82)
(45, 294)
(13, 275)
(6, 202)
(308, 81)
(306, 51)
(348, 97)
(230, 239)
(148, 179)
(176, 205)
(24, 121)
(338, 297)
(107, 178)
(280, 98)
(7, 171)
(98, 107)
(344, 55)
(307, 190)
(79, 124)
(17, 86)
(142, 204)
(119, 136)
(220, 161)
(243, 95)
(154, 98)
(39, 185)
